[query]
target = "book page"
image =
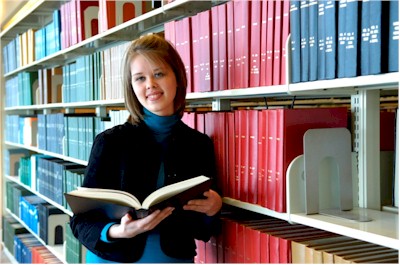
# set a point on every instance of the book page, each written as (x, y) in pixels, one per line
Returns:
(171, 190)
(117, 196)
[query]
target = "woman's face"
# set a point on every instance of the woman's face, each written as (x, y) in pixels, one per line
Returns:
(154, 86)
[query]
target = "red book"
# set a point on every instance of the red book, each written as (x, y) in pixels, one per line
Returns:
(264, 246)
(293, 123)
(270, 41)
(189, 118)
(240, 235)
(252, 245)
(205, 51)
(276, 75)
(87, 19)
(238, 155)
(72, 14)
(271, 155)
(186, 46)
(244, 178)
(262, 158)
(221, 150)
(285, 35)
(169, 31)
(215, 47)
(252, 167)
(263, 44)
(242, 38)
(255, 43)
(222, 48)
(200, 122)
(231, 155)
(196, 85)
(230, 240)
(230, 44)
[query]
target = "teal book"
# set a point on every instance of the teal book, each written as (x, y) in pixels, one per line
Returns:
(295, 41)
(342, 35)
(313, 39)
(304, 40)
(321, 40)
(330, 39)
(351, 44)
(393, 58)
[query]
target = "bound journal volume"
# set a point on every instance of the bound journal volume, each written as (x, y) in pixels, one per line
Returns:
(116, 203)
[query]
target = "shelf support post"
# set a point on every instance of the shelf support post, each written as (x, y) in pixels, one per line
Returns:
(365, 108)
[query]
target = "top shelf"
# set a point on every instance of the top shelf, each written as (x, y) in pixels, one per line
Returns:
(151, 21)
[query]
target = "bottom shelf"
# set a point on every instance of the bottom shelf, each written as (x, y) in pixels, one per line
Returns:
(383, 229)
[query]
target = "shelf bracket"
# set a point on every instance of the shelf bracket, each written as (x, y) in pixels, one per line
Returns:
(219, 104)
(365, 110)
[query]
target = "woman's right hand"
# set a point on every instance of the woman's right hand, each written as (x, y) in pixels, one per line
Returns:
(129, 227)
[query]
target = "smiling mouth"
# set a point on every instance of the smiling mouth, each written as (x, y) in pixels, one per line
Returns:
(154, 96)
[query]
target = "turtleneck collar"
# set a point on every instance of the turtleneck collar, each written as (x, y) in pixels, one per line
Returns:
(161, 126)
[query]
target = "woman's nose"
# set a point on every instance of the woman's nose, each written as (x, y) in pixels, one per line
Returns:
(151, 83)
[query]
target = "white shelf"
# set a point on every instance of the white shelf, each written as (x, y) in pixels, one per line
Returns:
(37, 150)
(382, 230)
(16, 180)
(255, 208)
(348, 85)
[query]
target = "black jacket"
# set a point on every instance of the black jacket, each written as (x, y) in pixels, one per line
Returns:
(127, 158)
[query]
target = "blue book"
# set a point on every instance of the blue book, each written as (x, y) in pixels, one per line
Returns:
(393, 57)
(330, 39)
(375, 37)
(57, 30)
(321, 40)
(295, 41)
(351, 38)
(365, 34)
(304, 45)
(313, 39)
(342, 35)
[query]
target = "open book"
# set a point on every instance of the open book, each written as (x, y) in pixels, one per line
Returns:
(116, 203)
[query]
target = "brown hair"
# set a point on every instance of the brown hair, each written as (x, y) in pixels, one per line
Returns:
(157, 50)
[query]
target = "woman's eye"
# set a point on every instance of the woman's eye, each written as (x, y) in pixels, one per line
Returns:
(139, 79)
(159, 74)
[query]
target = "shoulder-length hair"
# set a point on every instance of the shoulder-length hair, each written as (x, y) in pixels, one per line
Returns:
(156, 50)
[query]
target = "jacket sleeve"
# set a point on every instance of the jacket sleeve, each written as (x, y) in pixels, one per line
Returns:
(101, 172)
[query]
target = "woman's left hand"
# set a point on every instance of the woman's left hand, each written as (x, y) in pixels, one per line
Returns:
(210, 205)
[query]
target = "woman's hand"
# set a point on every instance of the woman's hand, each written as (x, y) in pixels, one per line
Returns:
(129, 227)
(210, 206)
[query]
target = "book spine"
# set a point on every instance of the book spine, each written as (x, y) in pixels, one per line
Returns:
(394, 37)
(313, 39)
(295, 41)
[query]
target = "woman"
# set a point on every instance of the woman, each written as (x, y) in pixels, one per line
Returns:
(152, 149)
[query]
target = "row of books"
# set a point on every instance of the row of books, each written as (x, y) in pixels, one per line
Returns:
(254, 148)
(90, 77)
(44, 220)
(75, 21)
(66, 134)
(28, 249)
(347, 38)
(268, 240)
(54, 229)
(237, 44)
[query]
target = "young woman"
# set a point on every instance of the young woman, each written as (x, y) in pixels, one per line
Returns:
(152, 149)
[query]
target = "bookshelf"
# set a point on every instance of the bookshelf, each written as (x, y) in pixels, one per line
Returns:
(363, 91)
